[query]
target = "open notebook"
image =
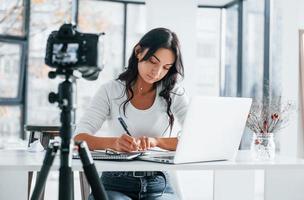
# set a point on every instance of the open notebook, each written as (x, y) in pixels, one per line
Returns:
(110, 154)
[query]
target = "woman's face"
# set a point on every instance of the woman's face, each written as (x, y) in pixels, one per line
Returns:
(157, 66)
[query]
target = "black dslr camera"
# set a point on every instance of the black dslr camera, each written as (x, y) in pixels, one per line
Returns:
(69, 49)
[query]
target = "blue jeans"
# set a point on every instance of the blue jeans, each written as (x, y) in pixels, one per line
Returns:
(121, 187)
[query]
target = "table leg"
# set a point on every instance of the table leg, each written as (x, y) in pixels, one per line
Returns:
(29, 184)
(84, 186)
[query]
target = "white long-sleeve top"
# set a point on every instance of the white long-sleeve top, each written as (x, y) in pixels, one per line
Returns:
(152, 122)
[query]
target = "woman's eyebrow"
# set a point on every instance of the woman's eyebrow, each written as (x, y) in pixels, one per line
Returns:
(156, 57)
(159, 59)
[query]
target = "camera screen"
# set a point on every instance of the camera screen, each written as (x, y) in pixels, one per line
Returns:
(65, 54)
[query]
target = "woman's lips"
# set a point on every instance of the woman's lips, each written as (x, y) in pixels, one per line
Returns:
(149, 77)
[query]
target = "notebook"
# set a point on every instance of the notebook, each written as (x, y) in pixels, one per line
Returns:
(110, 154)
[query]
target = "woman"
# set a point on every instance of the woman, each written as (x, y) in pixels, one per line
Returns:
(147, 98)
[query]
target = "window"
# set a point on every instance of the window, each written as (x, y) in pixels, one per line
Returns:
(11, 17)
(10, 126)
(276, 49)
(13, 40)
(46, 16)
(97, 17)
(230, 57)
(253, 49)
(253, 56)
(10, 62)
(242, 71)
(208, 51)
(136, 27)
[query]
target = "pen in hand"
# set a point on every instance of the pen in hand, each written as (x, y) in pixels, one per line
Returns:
(124, 125)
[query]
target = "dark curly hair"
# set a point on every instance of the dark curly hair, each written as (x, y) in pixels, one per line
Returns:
(153, 40)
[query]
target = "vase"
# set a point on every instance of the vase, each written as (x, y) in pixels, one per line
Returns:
(263, 146)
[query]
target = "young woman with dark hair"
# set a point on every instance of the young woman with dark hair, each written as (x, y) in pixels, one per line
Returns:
(147, 97)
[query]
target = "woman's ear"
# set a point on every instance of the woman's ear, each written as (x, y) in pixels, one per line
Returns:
(137, 51)
(140, 52)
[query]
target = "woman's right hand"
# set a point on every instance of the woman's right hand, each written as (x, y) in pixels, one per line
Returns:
(126, 143)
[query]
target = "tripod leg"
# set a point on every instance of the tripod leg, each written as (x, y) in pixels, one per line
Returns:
(47, 163)
(43, 189)
(66, 186)
(90, 171)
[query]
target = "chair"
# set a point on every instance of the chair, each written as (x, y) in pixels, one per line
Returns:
(44, 134)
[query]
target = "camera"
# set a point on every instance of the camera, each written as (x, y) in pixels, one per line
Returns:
(70, 49)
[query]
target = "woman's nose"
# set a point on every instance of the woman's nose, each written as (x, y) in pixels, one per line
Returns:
(156, 71)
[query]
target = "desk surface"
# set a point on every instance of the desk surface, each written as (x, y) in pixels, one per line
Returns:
(28, 161)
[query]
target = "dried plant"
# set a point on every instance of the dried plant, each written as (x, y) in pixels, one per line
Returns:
(269, 116)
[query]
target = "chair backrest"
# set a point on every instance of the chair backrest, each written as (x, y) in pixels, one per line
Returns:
(42, 133)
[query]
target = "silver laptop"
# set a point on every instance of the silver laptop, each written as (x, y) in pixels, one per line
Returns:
(212, 131)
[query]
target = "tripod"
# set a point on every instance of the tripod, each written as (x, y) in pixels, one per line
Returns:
(66, 187)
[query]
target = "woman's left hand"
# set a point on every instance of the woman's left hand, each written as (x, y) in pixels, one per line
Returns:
(147, 143)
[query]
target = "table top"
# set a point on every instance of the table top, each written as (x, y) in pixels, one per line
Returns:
(22, 160)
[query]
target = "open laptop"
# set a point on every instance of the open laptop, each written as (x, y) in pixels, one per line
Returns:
(212, 131)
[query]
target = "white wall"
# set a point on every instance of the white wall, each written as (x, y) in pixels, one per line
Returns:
(292, 21)
(300, 117)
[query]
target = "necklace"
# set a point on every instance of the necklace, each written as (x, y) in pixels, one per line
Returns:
(141, 92)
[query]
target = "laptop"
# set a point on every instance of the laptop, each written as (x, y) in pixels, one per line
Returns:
(212, 131)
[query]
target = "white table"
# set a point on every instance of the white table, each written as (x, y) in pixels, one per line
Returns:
(31, 161)
(275, 172)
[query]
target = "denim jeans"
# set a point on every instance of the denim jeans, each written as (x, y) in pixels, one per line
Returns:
(121, 187)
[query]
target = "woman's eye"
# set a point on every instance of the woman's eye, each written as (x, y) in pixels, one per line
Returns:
(152, 61)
